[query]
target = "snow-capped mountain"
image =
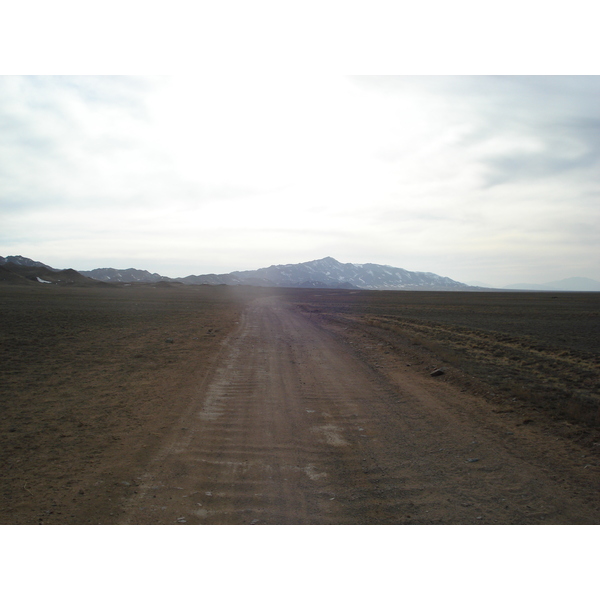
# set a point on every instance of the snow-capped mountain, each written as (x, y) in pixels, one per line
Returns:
(324, 273)
(23, 261)
(328, 272)
(124, 275)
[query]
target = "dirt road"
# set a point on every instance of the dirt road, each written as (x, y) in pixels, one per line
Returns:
(293, 427)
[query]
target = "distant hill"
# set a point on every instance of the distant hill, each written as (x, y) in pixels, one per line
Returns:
(572, 284)
(479, 284)
(322, 273)
(330, 273)
(9, 276)
(22, 261)
(24, 271)
(124, 275)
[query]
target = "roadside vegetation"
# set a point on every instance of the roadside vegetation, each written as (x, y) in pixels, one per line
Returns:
(542, 349)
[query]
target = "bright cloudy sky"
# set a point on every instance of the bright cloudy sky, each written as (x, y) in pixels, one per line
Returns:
(478, 178)
(488, 178)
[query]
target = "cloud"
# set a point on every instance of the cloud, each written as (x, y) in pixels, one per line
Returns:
(514, 128)
(442, 174)
(80, 142)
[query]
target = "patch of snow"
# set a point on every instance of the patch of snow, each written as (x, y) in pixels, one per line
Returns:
(42, 280)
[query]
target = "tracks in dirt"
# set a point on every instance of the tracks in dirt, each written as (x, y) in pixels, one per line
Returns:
(293, 428)
(272, 432)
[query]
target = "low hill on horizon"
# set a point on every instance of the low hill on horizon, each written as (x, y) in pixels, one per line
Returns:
(20, 270)
(571, 284)
(111, 275)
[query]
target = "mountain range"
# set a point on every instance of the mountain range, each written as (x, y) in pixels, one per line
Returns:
(323, 273)
(24, 271)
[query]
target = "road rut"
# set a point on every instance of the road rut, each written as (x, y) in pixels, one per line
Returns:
(292, 427)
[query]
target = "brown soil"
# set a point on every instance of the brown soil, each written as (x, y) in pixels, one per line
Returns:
(215, 405)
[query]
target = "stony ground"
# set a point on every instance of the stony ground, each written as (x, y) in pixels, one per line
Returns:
(213, 405)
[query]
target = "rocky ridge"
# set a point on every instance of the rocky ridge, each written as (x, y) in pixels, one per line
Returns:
(323, 273)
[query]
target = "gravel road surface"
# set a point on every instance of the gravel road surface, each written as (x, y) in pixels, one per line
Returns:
(294, 427)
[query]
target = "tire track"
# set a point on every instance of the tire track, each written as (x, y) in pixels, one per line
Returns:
(293, 428)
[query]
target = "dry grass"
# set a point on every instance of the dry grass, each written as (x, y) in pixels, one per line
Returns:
(554, 379)
(542, 349)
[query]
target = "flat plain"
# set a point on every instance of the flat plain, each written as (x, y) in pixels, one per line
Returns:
(222, 405)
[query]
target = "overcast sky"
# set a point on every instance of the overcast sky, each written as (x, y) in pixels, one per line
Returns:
(494, 179)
